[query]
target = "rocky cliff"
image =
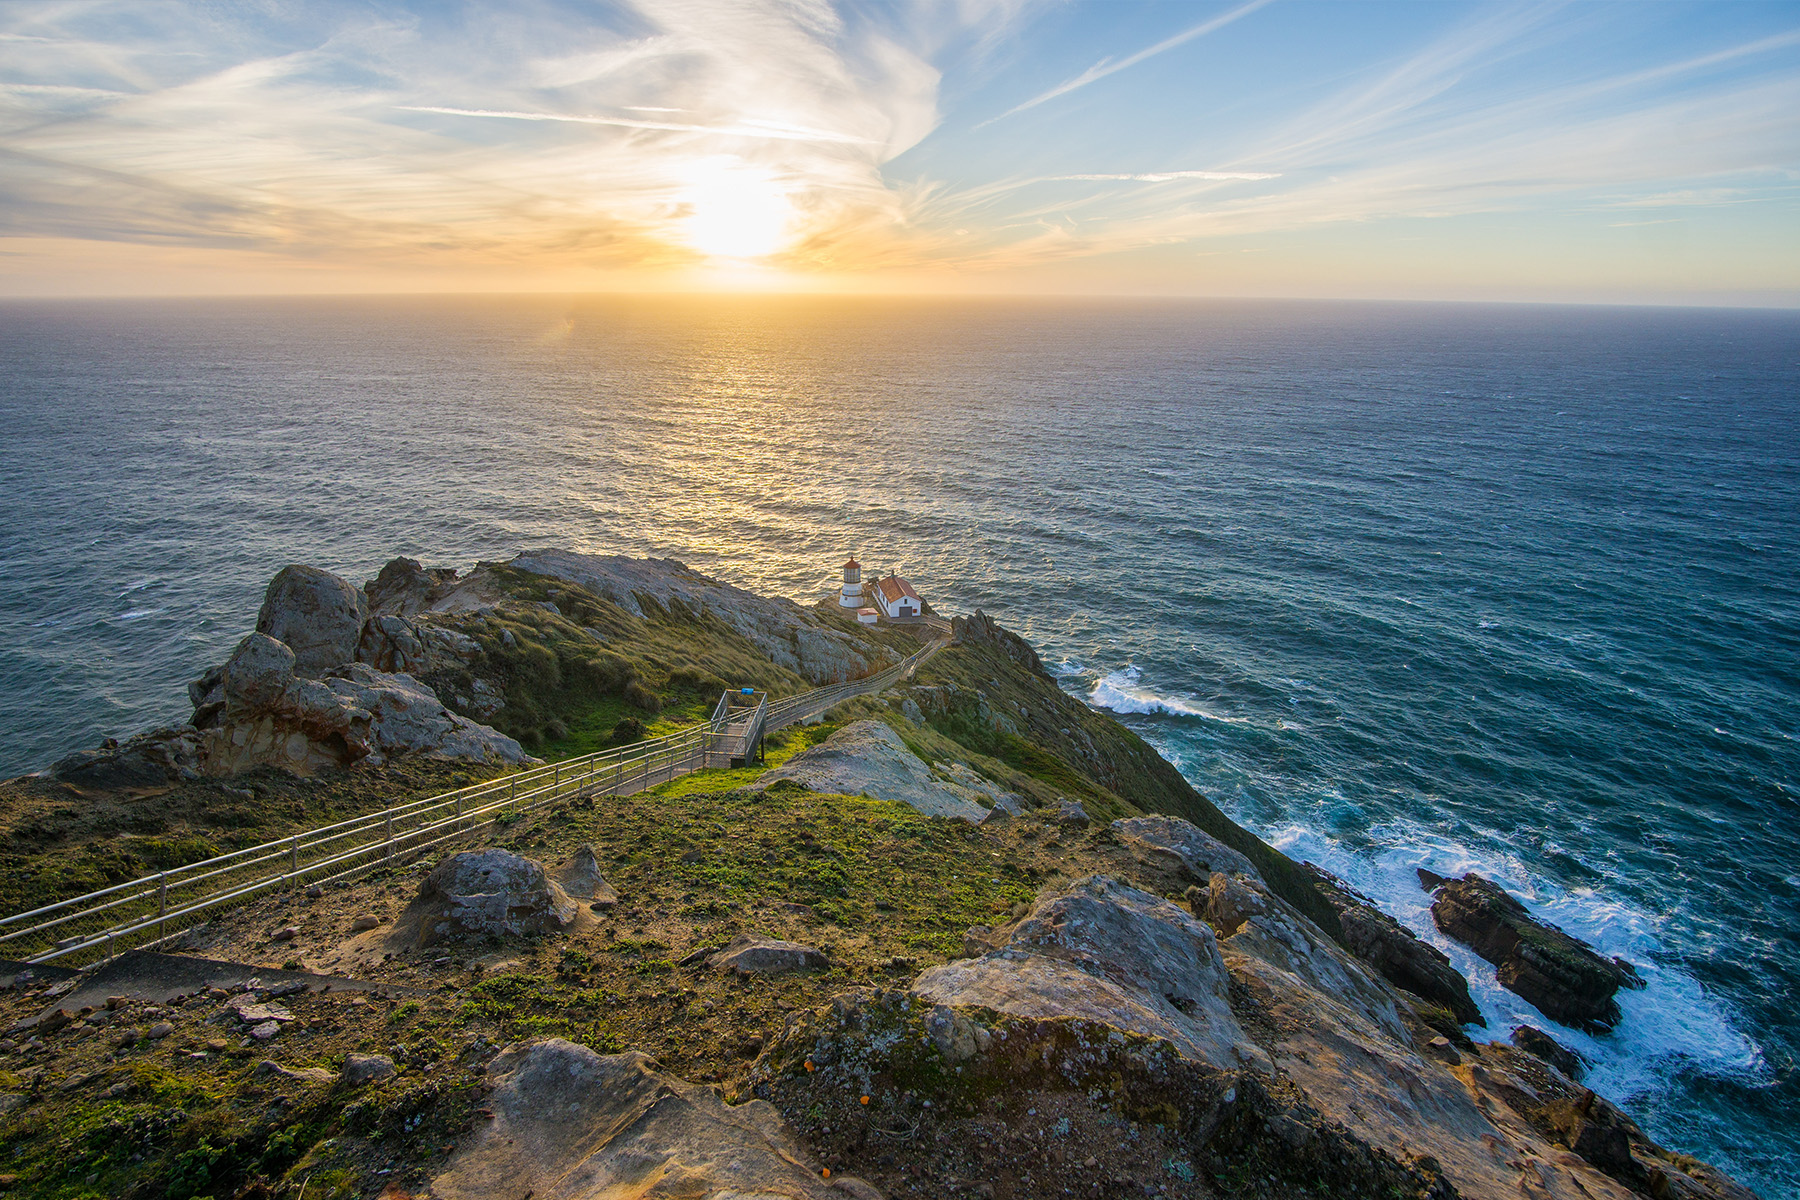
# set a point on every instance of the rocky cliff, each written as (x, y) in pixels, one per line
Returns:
(965, 938)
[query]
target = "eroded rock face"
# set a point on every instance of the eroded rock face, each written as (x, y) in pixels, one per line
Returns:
(493, 891)
(868, 757)
(1101, 950)
(1189, 850)
(316, 614)
(1254, 921)
(1559, 974)
(979, 627)
(404, 588)
(1229, 1122)
(788, 634)
(570, 1124)
(272, 714)
(1392, 949)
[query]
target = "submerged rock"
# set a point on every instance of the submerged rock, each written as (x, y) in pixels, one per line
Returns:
(1103, 951)
(1560, 975)
(570, 1124)
(492, 891)
(867, 757)
(1395, 951)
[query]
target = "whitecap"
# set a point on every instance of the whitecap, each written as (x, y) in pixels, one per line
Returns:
(1488, 624)
(1672, 1024)
(1122, 692)
(138, 614)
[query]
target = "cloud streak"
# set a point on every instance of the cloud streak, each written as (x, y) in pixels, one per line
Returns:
(748, 130)
(1106, 66)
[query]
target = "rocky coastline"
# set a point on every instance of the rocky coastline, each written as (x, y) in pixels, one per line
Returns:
(966, 937)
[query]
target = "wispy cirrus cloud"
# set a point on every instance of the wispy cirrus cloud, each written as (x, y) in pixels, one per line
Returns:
(1107, 66)
(651, 134)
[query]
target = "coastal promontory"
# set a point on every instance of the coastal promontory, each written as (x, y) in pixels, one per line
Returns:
(954, 934)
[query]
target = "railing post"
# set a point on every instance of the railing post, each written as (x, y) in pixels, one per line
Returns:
(294, 857)
(390, 837)
(162, 904)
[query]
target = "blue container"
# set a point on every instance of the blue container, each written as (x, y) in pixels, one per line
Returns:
(748, 691)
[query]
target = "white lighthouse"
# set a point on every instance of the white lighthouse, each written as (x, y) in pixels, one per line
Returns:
(852, 595)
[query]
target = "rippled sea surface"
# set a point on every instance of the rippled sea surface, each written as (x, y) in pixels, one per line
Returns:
(1507, 589)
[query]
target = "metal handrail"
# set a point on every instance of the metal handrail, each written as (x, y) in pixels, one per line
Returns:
(416, 825)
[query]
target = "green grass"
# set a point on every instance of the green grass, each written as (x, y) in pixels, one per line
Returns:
(778, 747)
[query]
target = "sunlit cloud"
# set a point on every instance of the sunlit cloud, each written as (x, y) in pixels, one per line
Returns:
(752, 129)
(826, 141)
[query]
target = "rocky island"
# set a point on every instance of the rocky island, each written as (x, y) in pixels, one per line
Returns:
(964, 936)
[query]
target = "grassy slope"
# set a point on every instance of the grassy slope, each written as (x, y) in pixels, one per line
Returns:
(867, 881)
(1064, 744)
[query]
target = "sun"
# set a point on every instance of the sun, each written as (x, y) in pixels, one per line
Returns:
(734, 212)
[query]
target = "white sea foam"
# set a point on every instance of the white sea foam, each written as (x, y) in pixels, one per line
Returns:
(1673, 1022)
(138, 614)
(1124, 692)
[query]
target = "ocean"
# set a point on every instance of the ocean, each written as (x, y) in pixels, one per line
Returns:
(1507, 589)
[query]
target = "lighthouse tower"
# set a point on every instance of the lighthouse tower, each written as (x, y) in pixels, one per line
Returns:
(852, 595)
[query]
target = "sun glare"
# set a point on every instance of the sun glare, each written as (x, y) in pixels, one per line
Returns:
(734, 213)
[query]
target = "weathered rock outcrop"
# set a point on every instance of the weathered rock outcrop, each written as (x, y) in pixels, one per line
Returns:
(480, 892)
(316, 614)
(570, 1124)
(1559, 974)
(1015, 1072)
(1180, 846)
(1395, 951)
(1255, 922)
(580, 878)
(979, 627)
(791, 636)
(1103, 951)
(148, 760)
(868, 757)
(404, 588)
(271, 714)
(748, 955)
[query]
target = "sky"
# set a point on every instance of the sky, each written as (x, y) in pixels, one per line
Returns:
(1580, 152)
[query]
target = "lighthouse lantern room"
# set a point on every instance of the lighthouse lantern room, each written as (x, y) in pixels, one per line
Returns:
(852, 595)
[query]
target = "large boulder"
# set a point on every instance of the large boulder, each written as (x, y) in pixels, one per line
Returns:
(476, 893)
(272, 715)
(570, 1124)
(1181, 846)
(148, 760)
(867, 757)
(1559, 974)
(318, 615)
(1395, 951)
(1103, 951)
